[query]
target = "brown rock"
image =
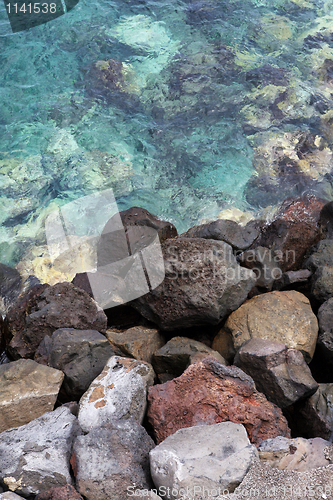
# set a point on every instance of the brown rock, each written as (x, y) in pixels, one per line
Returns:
(284, 317)
(61, 493)
(224, 344)
(138, 342)
(43, 310)
(208, 393)
(27, 391)
(136, 216)
(293, 231)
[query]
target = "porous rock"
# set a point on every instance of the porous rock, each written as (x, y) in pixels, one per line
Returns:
(45, 309)
(80, 354)
(203, 457)
(280, 373)
(35, 457)
(27, 390)
(119, 392)
(203, 283)
(209, 392)
(138, 342)
(111, 460)
(284, 317)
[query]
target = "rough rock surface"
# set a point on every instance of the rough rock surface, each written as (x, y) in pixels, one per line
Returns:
(228, 231)
(61, 493)
(325, 316)
(284, 317)
(80, 354)
(314, 415)
(111, 459)
(10, 286)
(264, 264)
(138, 342)
(294, 454)
(208, 393)
(119, 392)
(136, 216)
(280, 373)
(320, 262)
(9, 495)
(27, 390)
(293, 231)
(177, 354)
(203, 283)
(35, 457)
(206, 456)
(45, 309)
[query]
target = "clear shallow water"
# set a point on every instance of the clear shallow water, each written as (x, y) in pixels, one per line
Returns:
(209, 104)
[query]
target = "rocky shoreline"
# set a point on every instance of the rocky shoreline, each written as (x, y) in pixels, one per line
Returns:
(218, 383)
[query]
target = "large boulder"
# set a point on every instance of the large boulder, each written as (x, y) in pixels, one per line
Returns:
(280, 373)
(203, 458)
(209, 392)
(177, 354)
(27, 391)
(294, 454)
(293, 231)
(119, 392)
(284, 317)
(203, 283)
(80, 354)
(45, 309)
(138, 342)
(35, 457)
(112, 461)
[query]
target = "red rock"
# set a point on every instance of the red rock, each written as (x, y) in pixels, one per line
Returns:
(208, 393)
(294, 230)
(61, 493)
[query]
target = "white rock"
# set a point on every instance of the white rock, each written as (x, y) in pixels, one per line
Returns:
(119, 392)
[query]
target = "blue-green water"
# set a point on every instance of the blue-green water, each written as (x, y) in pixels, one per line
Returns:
(218, 104)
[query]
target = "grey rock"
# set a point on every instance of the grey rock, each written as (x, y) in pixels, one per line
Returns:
(314, 416)
(10, 286)
(322, 283)
(113, 460)
(228, 231)
(207, 456)
(324, 357)
(325, 316)
(294, 454)
(177, 354)
(35, 457)
(27, 390)
(322, 255)
(119, 392)
(80, 354)
(9, 495)
(280, 373)
(203, 283)
(261, 261)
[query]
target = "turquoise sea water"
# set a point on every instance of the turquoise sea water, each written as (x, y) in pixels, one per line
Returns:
(204, 105)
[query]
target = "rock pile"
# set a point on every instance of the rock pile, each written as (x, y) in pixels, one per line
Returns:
(196, 393)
